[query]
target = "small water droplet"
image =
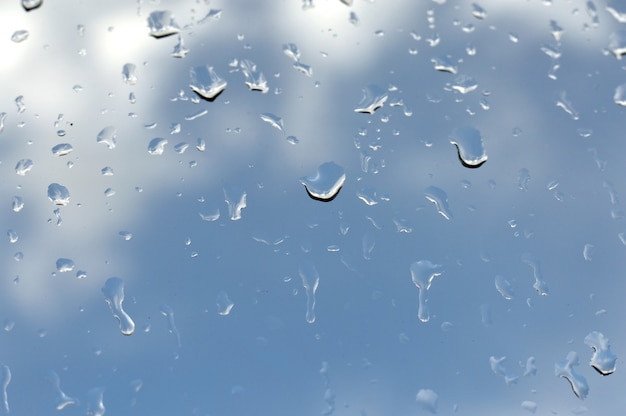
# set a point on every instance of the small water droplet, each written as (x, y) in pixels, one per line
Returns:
(19, 103)
(255, 80)
(161, 24)
(540, 285)
(274, 121)
(423, 273)
(29, 5)
(95, 403)
(444, 64)
(129, 73)
(470, 147)
(13, 237)
(62, 400)
(504, 287)
(523, 177)
(17, 204)
(64, 265)
(427, 399)
(206, 83)
(374, 98)
(58, 194)
(20, 36)
(81, 274)
(303, 68)
(603, 359)
(310, 282)
(464, 84)
(439, 197)
(113, 291)
(5, 379)
(564, 368)
(168, 312)
(62, 149)
(588, 252)
(107, 136)
(326, 183)
(478, 12)
(236, 200)
(157, 146)
(224, 304)
(180, 50)
(23, 166)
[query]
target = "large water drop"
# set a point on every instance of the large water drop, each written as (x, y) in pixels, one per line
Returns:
(603, 359)
(564, 368)
(113, 291)
(310, 282)
(206, 83)
(107, 136)
(423, 273)
(157, 146)
(58, 194)
(64, 265)
(439, 197)
(326, 183)
(374, 97)
(162, 24)
(470, 147)
(20, 36)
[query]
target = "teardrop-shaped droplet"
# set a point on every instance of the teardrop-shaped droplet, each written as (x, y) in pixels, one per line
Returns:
(423, 273)
(113, 291)
(374, 97)
(62, 149)
(326, 183)
(107, 136)
(206, 83)
(58, 194)
(469, 144)
(20, 36)
(157, 146)
(161, 24)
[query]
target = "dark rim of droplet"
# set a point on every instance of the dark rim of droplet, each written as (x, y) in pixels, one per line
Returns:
(317, 198)
(207, 98)
(464, 163)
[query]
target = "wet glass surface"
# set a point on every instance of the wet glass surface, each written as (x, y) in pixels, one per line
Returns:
(312, 207)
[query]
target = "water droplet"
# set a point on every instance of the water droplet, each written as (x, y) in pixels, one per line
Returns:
(13, 237)
(292, 51)
(19, 36)
(107, 136)
(464, 84)
(113, 291)
(196, 115)
(29, 5)
(444, 64)
(563, 103)
(129, 73)
(603, 359)
(540, 285)
(617, 9)
(236, 200)
(81, 274)
(5, 379)
(274, 121)
(593, 13)
(617, 43)
(180, 50)
(62, 149)
(58, 194)
(168, 312)
(303, 68)
(206, 83)
(224, 304)
(470, 147)
(326, 183)
(530, 368)
(310, 282)
(374, 97)
(157, 146)
(556, 30)
(62, 400)
(438, 197)
(95, 403)
(19, 103)
(255, 80)
(368, 244)
(23, 166)
(64, 265)
(620, 95)
(523, 177)
(423, 273)
(427, 399)
(588, 252)
(564, 368)
(504, 287)
(17, 204)
(161, 24)
(126, 235)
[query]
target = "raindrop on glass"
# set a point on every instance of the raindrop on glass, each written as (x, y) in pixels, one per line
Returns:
(224, 304)
(236, 200)
(129, 74)
(5, 379)
(274, 121)
(113, 291)
(64, 265)
(62, 400)
(564, 368)
(206, 83)
(504, 287)
(29, 5)
(107, 136)
(540, 285)
(470, 147)
(180, 50)
(19, 36)
(23, 167)
(157, 146)
(161, 24)
(310, 282)
(58, 194)
(438, 197)
(326, 183)
(95, 402)
(427, 399)
(255, 80)
(374, 97)
(62, 149)
(17, 204)
(423, 273)
(603, 359)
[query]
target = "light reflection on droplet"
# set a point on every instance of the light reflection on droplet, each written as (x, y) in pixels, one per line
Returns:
(564, 368)
(603, 359)
(374, 97)
(224, 304)
(310, 282)
(438, 197)
(423, 273)
(470, 147)
(206, 83)
(113, 291)
(161, 24)
(326, 183)
(58, 194)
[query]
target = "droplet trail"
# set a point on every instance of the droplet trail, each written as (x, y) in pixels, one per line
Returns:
(310, 282)
(423, 273)
(113, 291)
